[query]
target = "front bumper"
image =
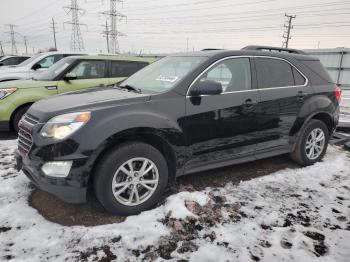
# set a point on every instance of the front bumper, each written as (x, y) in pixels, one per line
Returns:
(72, 189)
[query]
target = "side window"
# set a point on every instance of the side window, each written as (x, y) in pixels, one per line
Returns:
(49, 61)
(10, 61)
(125, 68)
(299, 80)
(233, 74)
(90, 70)
(274, 73)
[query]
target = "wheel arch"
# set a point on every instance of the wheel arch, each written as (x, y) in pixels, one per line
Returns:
(16, 110)
(150, 136)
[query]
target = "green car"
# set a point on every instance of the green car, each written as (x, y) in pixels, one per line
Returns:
(69, 74)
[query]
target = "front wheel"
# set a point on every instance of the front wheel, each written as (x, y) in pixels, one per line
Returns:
(17, 117)
(131, 178)
(312, 144)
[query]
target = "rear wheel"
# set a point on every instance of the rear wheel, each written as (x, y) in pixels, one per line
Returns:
(312, 143)
(131, 178)
(17, 117)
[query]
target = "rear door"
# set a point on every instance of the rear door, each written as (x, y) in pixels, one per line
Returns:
(90, 73)
(223, 127)
(279, 106)
(119, 70)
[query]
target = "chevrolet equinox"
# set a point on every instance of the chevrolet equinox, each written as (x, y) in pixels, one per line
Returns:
(182, 114)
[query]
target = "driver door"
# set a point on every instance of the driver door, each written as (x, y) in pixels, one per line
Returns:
(223, 127)
(89, 73)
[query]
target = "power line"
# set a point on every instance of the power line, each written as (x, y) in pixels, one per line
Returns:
(53, 28)
(114, 15)
(288, 26)
(77, 43)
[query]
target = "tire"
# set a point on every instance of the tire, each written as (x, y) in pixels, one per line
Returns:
(17, 117)
(109, 170)
(302, 153)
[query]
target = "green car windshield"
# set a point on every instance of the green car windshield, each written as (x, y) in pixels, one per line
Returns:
(55, 70)
(163, 74)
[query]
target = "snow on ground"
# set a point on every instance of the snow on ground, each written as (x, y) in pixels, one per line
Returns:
(292, 215)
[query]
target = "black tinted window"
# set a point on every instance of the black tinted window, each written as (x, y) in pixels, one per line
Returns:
(298, 78)
(125, 69)
(10, 61)
(274, 73)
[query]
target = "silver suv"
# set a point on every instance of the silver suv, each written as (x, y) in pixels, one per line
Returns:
(31, 66)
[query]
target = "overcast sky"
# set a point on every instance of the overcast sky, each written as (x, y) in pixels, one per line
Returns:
(165, 25)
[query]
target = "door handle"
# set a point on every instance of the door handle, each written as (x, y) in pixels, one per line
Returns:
(301, 95)
(249, 103)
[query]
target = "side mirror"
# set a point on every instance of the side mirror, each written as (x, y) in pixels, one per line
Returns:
(70, 76)
(36, 67)
(207, 87)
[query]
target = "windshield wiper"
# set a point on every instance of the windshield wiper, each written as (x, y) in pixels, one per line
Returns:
(130, 88)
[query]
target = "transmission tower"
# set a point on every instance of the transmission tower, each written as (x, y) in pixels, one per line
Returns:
(25, 43)
(12, 34)
(106, 33)
(114, 16)
(53, 28)
(76, 43)
(1, 49)
(288, 27)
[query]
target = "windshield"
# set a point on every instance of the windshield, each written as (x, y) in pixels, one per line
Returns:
(162, 75)
(29, 60)
(55, 70)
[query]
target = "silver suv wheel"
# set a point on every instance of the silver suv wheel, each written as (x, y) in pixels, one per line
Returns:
(315, 143)
(135, 181)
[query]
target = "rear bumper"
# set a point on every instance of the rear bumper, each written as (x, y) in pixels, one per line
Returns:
(72, 189)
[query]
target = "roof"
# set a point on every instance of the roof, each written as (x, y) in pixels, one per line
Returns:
(116, 58)
(221, 53)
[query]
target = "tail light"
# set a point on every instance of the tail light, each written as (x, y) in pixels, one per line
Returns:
(337, 93)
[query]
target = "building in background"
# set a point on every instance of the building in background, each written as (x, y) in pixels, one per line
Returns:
(337, 62)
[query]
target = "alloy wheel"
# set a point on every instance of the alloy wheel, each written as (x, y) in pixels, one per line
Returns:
(135, 181)
(315, 143)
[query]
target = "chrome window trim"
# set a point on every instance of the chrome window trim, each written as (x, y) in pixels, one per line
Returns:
(233, 57)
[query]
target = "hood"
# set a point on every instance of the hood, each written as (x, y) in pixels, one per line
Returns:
(21, 84)
(12, 69)
(87, 99)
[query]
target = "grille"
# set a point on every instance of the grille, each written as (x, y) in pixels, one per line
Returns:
(32, 120)
(25, 140)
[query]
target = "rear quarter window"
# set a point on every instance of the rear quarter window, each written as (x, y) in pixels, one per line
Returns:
(316, 67)
(274, 73)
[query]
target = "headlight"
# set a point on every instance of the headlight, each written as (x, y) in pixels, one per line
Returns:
(4, 92)
(60, 127)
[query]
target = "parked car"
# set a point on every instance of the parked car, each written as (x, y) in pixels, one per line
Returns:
(69, 74)
(32, 66)
(182, 114)
(12, 60)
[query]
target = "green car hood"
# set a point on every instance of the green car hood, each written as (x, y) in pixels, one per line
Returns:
(27, 84)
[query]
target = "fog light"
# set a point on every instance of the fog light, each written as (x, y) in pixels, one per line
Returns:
(57, 168)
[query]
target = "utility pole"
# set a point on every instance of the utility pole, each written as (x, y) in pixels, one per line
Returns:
(53, 28)
(25, 43)
(1, 49)
(106, 33)
(288, 28)
(114, 15)
(77, 43)
(13, 38)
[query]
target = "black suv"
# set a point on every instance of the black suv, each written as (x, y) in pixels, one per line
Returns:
(182, 114)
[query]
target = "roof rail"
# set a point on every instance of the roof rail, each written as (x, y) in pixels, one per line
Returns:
(272, 48)
(211, 49)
